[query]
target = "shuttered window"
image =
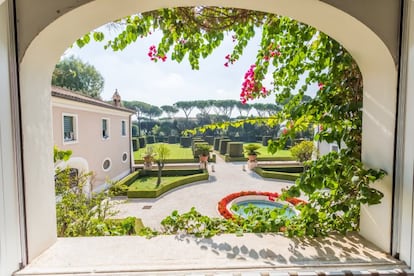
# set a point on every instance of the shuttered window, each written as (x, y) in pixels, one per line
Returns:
(68, 128)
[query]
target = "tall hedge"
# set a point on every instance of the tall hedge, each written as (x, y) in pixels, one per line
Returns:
(216, 144)
(235, 149)
(150, 139)
(135, 144)
(141, 142)
(265, 140)
(134, 131)
(223, 145)
(185, 142)
(209, 140)
(172, 139)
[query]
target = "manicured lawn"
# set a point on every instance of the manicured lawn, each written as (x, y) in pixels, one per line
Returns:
(264, 153)
(146, 186)
(176, 152)
(149, 183)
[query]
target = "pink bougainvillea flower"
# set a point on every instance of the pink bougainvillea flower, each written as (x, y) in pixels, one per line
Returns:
(320, 85)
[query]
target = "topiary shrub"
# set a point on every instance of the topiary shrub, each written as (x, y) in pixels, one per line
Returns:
(235, 149)
(135, 144)
(172, 139)
(150, 139)
(209, 140)
(196, 140)
(223, 145)
(196, 145)
(134, 131)
(265, 140)
(185, 142)
(141, 142)
(216, 143)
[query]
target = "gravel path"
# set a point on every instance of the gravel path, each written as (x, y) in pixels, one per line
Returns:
(203, 195)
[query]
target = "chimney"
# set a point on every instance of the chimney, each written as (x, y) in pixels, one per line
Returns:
(116, 99)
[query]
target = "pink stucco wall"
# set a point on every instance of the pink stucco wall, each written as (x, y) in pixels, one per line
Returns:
(89, 143)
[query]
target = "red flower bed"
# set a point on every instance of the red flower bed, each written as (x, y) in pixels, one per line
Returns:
(222, 205)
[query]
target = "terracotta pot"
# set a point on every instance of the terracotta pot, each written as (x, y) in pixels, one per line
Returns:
(203, 158)
(252, 157)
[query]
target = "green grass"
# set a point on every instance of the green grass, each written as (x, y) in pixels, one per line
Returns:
(148, 183)
(179, 154)
(146, 186)
(264, 153)
(176, 152)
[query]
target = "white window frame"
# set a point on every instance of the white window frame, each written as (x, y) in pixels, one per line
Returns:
(124, 132)
(75, 129)
(108, 127)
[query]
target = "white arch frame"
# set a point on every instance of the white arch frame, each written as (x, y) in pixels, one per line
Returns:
(79, 163)
(374, 59)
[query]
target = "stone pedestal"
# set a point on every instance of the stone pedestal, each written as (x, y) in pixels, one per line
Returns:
(251, 164)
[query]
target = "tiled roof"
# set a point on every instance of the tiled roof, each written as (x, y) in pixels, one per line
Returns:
(63, 93)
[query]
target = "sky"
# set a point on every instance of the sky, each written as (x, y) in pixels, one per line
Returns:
(163, 83)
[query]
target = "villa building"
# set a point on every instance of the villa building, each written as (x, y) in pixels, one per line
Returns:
(97, 133)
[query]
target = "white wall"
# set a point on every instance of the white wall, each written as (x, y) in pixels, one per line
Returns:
(9, 212)
(405, 166)
(375, 61)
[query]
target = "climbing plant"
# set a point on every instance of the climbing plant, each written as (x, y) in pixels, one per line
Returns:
(298, 57)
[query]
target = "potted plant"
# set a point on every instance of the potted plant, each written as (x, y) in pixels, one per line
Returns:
(251, 150)
(203, 151)
(148, 156)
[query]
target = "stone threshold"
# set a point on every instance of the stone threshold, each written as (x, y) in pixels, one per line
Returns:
(250, 254)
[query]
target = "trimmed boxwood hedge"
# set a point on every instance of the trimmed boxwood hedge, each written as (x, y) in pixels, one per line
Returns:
(223, 145)
(228, 158)
(196, 140)
(141, 142)
(265, 140)
(203, 175)
(283, 173)
(185, 142)
(135, 144)
(178, 172)
(172, 139)
(150, 139)
(169, 161)
(130, 178)
(134, 131)
(195, 147)
(286, 169)
(216, 144)
(235, 149)
(209, 140)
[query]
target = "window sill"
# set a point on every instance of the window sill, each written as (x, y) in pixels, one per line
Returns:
(220, 254)
(70, 142)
